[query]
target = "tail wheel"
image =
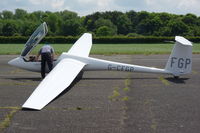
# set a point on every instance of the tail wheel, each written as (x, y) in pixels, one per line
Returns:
(176, 77)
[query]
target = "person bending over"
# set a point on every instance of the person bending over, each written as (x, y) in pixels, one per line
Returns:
(47, 56)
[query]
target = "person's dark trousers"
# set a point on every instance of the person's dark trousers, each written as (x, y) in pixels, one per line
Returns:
(46, 57)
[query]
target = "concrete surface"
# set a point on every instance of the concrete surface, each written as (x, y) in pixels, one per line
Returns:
(105, 102)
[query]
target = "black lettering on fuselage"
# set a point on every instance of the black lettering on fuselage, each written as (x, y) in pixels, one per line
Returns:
(180, 62)
(173, 60)
(121, 68)
(109, 67)
(187, 62)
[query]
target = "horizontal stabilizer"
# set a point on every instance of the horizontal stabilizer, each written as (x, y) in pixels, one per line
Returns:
(55, 82)
(183, 41)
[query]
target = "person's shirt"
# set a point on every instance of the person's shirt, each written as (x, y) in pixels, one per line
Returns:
(46, 49)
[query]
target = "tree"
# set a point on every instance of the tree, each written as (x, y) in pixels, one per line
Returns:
(189, 19)
(149, 26)
(52, 22)
(20, 14)
(71, 27)
(7, 14)
(104, 31)
(38, 15)
(66, 15)
(89, 21)
(106, 22)
(132, 15)
(131, 23)
(177, 27)
(28, 27)
(10, 28)
(142, 16)
(164, 17)
(123, 24)
(1, 16)
(1, 27)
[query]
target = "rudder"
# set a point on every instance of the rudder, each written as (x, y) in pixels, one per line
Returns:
(180, 60)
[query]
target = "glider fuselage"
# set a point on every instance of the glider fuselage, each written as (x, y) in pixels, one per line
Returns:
(93, 64)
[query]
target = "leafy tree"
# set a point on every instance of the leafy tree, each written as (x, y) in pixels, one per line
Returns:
(177, 27)
(132, 15)
(142, 16)
(104, 31)
(189, 19)
(149, 26)
(163, 31)
(89, 21)
(106, 22)
(10, 28)
(1, 16)
(123, 24)
(38, 15)
(71, 27)
(164, 17)
(109, 23)
(20, 14)
(1, 27)
(52, 22)
(28, 28)
(7, 14)
(66, 15)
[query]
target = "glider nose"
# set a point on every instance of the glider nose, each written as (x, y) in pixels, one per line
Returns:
(14, 62)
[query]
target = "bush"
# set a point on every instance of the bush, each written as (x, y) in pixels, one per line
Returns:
(124, 39)
(100, 40)
(13, 39)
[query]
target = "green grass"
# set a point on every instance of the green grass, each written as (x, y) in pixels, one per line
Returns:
(7, 120)
(106, 49)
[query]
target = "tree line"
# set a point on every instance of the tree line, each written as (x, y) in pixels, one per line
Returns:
(109, 23)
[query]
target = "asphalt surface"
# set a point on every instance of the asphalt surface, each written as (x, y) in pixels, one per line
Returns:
(105, 102)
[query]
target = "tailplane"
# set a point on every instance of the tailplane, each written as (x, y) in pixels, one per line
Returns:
(180, 60)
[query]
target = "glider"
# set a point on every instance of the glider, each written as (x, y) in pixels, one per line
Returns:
(70, 64)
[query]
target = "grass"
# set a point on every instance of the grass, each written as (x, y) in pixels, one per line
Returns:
(164, 81)
(106, 49)
(126, 98)
(114, 95)
(7, 120)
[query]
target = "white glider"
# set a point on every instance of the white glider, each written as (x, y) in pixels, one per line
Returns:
(70, 64)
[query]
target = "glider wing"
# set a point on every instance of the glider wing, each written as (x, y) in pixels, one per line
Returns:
(82, 46)
(55, 82)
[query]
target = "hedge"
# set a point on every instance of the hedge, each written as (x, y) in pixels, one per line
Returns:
(99, 40)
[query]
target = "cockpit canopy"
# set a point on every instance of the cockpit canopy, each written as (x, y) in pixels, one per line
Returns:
(35, 38)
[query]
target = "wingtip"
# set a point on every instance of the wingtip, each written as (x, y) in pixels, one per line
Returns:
(30, 108)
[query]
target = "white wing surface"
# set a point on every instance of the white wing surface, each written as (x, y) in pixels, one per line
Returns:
(82, 46)
(56, 81)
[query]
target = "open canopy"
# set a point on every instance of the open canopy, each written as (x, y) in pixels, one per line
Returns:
(35, 38)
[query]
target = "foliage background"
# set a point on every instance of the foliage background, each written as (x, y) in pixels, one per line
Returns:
(110, 23)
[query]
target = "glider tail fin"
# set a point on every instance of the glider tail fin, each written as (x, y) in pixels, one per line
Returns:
(180, 60)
